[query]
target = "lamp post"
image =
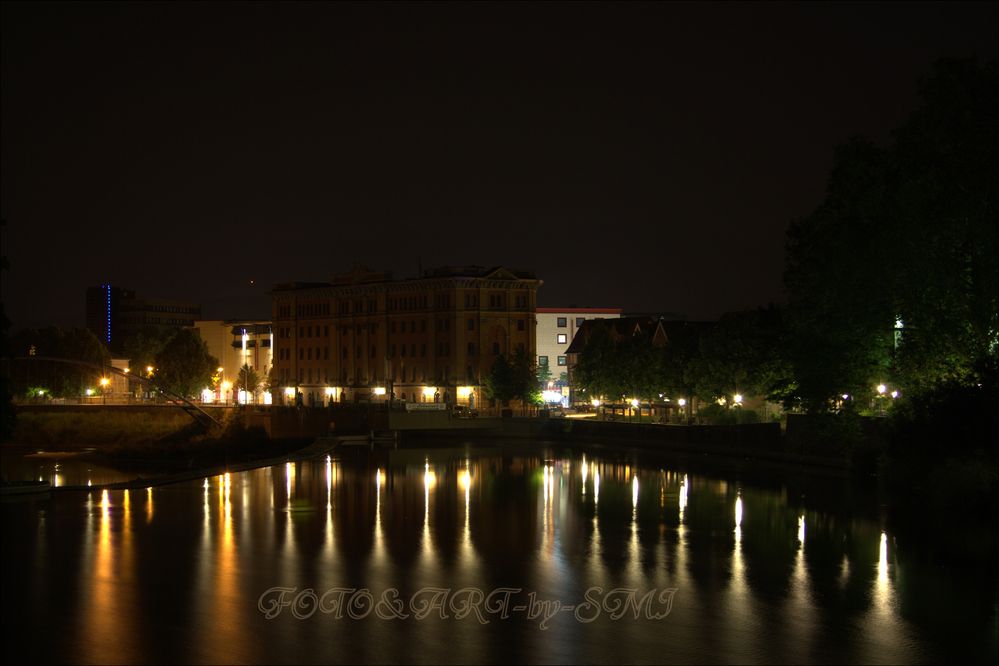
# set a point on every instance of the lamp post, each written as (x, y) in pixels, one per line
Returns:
(104, 389)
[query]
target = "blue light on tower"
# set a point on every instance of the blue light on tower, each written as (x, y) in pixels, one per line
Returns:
(107, 290)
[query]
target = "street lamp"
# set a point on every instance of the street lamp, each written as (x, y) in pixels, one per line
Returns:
(105, 382)
(881, 388)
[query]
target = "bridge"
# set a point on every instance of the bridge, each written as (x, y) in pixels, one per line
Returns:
(199, 415)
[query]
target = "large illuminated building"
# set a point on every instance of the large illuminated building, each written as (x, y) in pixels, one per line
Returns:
(235, 343)
(114, 314)
(365, 336)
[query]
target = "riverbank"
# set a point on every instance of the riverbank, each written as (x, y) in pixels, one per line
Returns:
(148, 441)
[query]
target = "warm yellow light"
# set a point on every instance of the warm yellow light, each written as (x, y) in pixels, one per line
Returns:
(226, 385)
(289, 391)
(330, 390)
(428, 391)
(465, 479)
(737, 398)
(721, 401)
(105, 381)
(379, 390)
(220, 369)
(634, 402)
(464, 391)
(882, 388)
(90, 391)
(149, 369)
(595, 402)
(429, 476)
(681, 402)
(127, 370)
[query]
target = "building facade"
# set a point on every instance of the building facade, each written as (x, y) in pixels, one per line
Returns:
(365, 336)
(235, 343)
(556, 329)
(114, 314)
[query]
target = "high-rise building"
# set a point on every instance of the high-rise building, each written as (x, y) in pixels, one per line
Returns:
(434, 338)
(114, 314)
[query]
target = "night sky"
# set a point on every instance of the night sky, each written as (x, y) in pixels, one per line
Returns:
(646, 156)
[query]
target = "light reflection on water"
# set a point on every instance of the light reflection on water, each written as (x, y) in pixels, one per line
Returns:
(757, 579)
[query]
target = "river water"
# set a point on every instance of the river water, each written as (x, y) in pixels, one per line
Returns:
(478, 554)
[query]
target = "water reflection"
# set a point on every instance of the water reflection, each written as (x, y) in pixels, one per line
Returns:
(759, 578)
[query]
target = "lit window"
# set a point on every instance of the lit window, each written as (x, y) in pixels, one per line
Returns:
(562, 338)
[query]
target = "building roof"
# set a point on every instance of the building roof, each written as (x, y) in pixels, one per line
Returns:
(663, 330)
(363, 275)
(624, 327)
(575, 310)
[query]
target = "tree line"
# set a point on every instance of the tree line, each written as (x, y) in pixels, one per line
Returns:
(177, 360)
(892, 281)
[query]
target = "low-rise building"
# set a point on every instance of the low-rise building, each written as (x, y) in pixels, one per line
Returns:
(235, 343)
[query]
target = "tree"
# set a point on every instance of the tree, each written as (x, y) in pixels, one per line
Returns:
(59, 379)
(597, 371)
(499, 382)
(524, 378)
(743, 354)
(513, 379)
(184, 365)
(248, 380)
(906, 237)
(141, 347)
(544, 375)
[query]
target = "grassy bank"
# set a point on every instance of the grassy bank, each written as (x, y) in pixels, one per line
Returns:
(189, 449)
(99, 429)
(166, 442)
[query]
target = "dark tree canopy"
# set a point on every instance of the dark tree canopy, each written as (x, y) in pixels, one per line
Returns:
(906, 238)
(184, 365)
(59, 379)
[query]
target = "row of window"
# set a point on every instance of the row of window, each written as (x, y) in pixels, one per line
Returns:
(315, 331)
(392, 304)
(360, 377)
(543, 360)
(310, 309)
(443, 349)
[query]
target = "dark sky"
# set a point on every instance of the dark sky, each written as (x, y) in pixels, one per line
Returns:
(648, 156)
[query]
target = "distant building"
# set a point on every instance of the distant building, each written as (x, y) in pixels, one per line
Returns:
(556, 329)
(365, 336)
(235, 343)
(114, 314)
